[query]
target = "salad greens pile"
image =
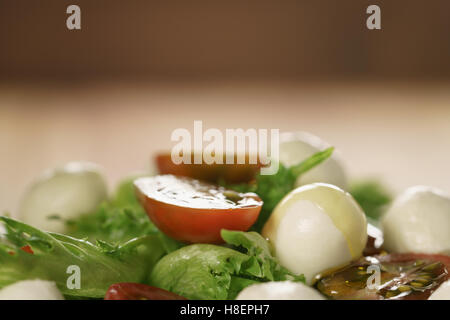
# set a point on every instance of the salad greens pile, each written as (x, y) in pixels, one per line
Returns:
(118, 243)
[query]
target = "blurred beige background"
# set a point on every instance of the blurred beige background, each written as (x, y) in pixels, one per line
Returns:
(398, 133)
(113, 92)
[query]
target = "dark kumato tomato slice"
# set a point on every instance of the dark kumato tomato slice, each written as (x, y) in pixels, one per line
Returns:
(138, 291)
(230, 173)
(192, 211)
(403, 277)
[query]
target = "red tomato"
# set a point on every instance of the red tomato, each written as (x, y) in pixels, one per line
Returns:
(231, 173)
(27, 249)
(137, 291)
(194, 212)
(403, 277)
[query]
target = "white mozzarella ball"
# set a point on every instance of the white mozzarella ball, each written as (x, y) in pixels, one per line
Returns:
(298, 146)
(31, 290)
(316, 228)
(418, 221)
(441, 293)
(282, 290)
(68, 192)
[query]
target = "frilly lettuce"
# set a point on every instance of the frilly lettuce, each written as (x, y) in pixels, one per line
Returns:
(118, 220)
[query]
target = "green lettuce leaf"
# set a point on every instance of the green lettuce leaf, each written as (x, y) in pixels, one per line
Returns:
(205, 271)
(100, 265)
(372, 196)
(198, 271)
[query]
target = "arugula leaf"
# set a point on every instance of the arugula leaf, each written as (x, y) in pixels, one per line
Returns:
(372, 196)
(100, 265)
(273, 188)
(311, 162)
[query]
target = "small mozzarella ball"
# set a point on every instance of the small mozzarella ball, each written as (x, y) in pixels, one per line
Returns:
(31, 290)
(316, 228)
(441, 293)
(75, 189)
(282, 290)
(298, 146)
(418, 221)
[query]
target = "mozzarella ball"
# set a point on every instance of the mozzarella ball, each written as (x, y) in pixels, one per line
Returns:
(68, 192)
(316, 228)
(282, 290)
(418, 221)
(298, 146)
(31, 290)
(441, 293)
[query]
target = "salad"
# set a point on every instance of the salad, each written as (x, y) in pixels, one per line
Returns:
(221, 232)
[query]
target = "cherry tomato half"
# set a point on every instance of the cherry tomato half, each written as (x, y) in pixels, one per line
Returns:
(138, 291)
(402, 277)
(194, 212)
(230, 173)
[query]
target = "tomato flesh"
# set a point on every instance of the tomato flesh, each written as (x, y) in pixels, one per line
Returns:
(138, 291)
(195, 212)
(403, 277)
